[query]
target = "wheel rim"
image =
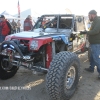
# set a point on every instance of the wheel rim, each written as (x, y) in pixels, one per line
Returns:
(6, 65)
(70, 77)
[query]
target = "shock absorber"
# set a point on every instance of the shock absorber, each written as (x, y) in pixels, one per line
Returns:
(48, 55)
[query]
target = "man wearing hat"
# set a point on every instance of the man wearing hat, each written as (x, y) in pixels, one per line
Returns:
(4, 29)
(94, 40)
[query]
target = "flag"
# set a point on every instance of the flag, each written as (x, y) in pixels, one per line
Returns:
(18, 9)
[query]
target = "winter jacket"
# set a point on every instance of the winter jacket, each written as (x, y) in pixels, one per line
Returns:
(5, 28)
(2, 37)
(94, 33)
(18, 24)
(27, 24)
(14, 25)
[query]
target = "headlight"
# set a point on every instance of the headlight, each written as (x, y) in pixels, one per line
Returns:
(34, 45)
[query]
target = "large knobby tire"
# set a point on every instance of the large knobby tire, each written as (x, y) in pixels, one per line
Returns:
(63, 76)
(6, 74)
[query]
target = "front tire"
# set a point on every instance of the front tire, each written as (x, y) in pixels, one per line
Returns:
(63, 76)
(4, 72)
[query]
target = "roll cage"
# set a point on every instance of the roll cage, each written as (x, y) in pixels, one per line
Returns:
(66, 20)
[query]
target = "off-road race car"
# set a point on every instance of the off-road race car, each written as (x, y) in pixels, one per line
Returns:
(47, 48)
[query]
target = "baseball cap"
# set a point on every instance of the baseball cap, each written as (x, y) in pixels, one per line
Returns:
(93, 12)
(2, 16)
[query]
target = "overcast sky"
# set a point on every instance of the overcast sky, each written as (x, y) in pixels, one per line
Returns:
(79, 7)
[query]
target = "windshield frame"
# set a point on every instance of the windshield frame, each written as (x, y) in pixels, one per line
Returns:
(56, 16)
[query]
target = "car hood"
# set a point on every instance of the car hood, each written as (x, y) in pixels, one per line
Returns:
(31, 34)
(26, 34)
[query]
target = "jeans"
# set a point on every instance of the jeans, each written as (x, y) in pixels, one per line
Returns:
(95, 57)
(2, 38)
(14, 31)
(18, 29)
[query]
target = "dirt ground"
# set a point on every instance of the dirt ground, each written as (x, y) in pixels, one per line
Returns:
(14, 88)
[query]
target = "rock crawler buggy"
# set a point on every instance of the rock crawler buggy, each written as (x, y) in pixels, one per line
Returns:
(47, 48)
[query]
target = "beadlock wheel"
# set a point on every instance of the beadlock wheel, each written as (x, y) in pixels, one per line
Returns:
(6, 65)
(7, 70)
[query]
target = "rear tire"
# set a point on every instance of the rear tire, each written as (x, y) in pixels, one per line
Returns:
(63, 76)
(6, 74)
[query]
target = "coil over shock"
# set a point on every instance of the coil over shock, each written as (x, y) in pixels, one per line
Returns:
(48, 55)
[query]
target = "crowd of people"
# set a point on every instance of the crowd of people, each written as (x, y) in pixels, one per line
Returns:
(15, 26)
(8, 27)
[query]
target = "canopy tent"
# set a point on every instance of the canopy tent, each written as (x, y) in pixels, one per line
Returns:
(8, 16)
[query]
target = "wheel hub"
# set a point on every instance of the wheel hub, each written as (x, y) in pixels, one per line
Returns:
(70, 77)
(6, 62)
(6, 65)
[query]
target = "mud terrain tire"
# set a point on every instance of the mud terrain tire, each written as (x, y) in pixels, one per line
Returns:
(7, 74)
(63, 76)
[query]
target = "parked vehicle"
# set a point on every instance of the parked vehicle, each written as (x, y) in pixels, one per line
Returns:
(47, 48)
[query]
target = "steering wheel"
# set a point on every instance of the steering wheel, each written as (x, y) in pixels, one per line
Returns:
(63, 25)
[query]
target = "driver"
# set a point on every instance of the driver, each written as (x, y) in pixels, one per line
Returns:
(54, 24)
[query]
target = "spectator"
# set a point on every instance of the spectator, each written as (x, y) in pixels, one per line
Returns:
(4, 29)
(18, 26)
(94, 40)
(28, 23)
(14, 26)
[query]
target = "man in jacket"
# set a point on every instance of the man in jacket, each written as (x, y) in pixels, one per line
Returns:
(28, 23)
(4, 29)
(14, 26)
(18, 26)
(94, 40)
